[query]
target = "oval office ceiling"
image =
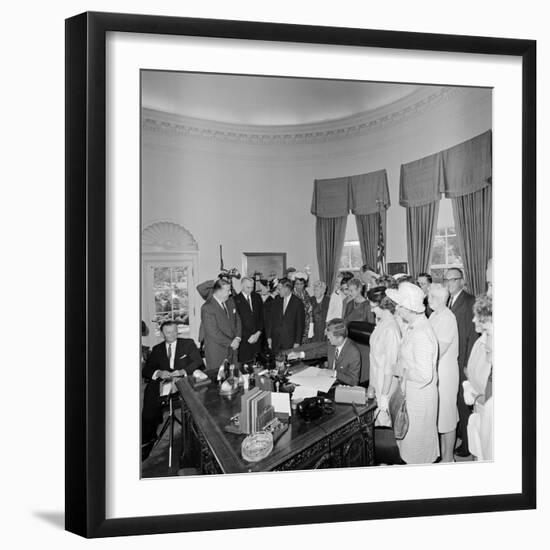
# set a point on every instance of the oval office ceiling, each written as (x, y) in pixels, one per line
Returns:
(267, 101)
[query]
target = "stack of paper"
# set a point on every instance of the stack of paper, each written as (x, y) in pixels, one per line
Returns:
(314, 379)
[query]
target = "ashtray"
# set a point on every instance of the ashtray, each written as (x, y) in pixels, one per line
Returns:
(257, 446)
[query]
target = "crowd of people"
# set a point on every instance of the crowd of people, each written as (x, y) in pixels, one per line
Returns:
(432, 340)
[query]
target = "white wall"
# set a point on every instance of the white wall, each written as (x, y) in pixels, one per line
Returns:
(254, 198)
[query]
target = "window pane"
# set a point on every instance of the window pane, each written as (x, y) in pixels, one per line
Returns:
(356, 258)
(161, 277)
(437, 274)
(453, 251)
(345, 260)
(438, 250)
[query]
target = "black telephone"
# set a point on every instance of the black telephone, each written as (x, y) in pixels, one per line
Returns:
(312, 408)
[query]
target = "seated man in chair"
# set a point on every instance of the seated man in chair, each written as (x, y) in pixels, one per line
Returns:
(342, 354)
(172, 358)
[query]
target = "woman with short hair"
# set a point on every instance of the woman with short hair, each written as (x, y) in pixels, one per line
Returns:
(357, 309)
(443, 322)
(417, 365)
(384, 349)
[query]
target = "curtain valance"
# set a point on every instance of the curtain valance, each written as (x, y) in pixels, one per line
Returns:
(460, 170)
(468, 166)
(330, 198)
(369, 192)
(335, 197)
(422, 181)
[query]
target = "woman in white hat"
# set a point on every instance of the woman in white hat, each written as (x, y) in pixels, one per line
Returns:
(417, 365)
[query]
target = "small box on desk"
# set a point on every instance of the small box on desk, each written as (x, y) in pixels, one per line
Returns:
(350, 394)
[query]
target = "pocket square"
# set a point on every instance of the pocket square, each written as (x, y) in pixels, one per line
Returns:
(183, 356)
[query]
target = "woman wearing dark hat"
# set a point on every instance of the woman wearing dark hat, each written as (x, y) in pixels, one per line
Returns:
(417, 365)
(384, 349)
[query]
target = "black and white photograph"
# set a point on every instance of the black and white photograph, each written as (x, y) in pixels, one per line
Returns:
(316, 274)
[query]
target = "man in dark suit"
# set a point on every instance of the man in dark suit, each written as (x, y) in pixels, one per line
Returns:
(172, 358)
(221, 326)
(250, 310)
(343, 356)
(285, 323)
(461, 303)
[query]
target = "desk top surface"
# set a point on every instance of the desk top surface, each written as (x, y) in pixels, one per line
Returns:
(212, 412)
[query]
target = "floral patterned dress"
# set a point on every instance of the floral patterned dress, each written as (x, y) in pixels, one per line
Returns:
(308, 309)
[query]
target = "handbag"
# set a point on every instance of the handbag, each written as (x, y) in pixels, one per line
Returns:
(398, 413)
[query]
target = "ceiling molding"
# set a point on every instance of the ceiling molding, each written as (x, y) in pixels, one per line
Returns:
(171, 125)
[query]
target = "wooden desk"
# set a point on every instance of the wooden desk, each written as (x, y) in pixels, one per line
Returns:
(340, 440)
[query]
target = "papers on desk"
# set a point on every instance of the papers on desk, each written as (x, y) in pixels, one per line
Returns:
(281, 402)
(313, 379)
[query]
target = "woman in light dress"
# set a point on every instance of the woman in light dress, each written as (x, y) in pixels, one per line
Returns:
(445, 327)
(384, 349)
(417, 365)
(478, 388)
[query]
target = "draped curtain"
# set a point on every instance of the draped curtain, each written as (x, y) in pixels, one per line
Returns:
(421, 224)
(330, 233)
(364, 195)
(473, 218)
(463, 174)
(370, 198)
(368, 230)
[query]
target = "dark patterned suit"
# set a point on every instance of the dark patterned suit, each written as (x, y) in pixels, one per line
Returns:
(467, 335)
(186, 357)
(252, 321)
(220, 327)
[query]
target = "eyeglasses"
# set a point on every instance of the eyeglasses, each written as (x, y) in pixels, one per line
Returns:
(453, 279)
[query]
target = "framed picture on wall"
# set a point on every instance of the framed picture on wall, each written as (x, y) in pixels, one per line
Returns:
(267, 264)
(383, 179)
(395, 268)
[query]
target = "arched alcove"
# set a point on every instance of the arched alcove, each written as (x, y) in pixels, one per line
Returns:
(164, 236)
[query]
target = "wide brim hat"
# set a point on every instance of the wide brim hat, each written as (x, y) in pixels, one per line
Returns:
(409, 296)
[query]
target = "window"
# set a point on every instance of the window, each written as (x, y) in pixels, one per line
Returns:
(170, 288)
(445, 251)
(351, 259)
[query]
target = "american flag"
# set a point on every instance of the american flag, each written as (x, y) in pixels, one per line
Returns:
(381, 248)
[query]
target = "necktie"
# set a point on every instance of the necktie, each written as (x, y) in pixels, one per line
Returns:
(170, 355)
(225, 309)
(249, 302)
(336, 354)
(285, 303)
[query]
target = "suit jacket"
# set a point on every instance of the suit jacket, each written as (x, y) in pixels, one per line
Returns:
(219, 329)
(252, 321)
(286, 329)
(348, 364)
(186, 357)
(467, 335)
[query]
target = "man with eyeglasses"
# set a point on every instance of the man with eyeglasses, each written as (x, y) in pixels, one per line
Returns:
(461, 303)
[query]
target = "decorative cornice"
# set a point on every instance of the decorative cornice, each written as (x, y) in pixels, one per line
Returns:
(171, 125)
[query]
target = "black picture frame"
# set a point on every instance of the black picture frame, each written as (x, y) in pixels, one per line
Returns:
(86, 282)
